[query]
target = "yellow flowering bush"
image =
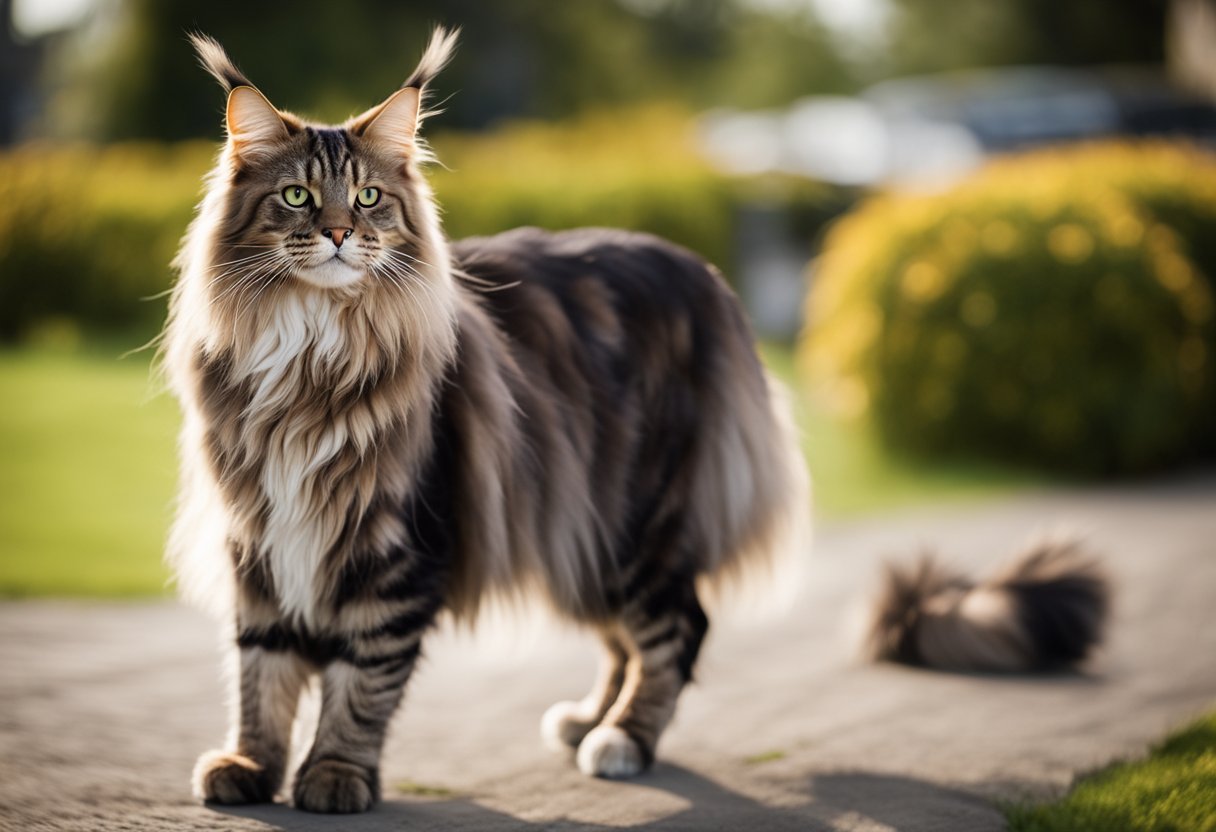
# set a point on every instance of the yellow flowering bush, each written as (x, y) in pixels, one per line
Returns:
(1055, 309)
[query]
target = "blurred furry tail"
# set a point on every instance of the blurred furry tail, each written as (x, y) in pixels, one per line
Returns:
(1046, 610)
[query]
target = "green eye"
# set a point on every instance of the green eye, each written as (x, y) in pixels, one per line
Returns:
(368, 197)
(295, 196)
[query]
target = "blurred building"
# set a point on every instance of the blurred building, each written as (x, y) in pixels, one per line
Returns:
(20, 60)
(930, 130)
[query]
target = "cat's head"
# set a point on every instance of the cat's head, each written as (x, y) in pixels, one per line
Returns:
(337, 207)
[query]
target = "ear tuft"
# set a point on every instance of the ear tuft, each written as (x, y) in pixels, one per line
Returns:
(216, 61)
(438, 52)
(254, 125)
(394, 122)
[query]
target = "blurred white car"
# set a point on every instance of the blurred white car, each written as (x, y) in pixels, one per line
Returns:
(930, 130)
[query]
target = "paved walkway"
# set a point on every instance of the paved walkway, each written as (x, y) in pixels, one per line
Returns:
(104, 707)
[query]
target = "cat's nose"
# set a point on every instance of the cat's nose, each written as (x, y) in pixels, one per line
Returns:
(336, 234)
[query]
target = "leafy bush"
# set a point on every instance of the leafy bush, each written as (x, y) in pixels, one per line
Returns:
(635, 169)
(1056, 309)
(86, 231)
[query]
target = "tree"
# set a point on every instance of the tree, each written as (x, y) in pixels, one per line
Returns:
(935, 35)
(517, 58)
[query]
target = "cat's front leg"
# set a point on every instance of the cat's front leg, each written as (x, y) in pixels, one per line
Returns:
(360, 690)
(268, 685)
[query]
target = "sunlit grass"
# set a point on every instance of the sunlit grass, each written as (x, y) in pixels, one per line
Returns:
(87, 470)
(414, 789)
(854, 474)
(1172, 790)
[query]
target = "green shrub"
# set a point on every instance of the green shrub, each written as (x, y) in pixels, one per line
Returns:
(85, 232)
(636, 169)
(630, 170)
(1055, 310)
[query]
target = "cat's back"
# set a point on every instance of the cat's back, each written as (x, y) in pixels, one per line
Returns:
(619, 294)
(634, 373)
(636, 266)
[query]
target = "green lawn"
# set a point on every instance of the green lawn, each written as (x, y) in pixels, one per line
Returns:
(87, 471)
(1173, 790)
(854, 474)
(87, 467)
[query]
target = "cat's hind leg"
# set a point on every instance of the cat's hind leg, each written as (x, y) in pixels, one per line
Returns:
(268, 691)
(566, 723)
(664, 626)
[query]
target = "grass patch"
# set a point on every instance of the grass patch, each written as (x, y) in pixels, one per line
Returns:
(1173, 790)
(87, 468)
(422, 790)
(771, 756)
(854, 474)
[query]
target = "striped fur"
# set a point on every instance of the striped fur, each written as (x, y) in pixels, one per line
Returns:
(381, 429)
(1046, 610)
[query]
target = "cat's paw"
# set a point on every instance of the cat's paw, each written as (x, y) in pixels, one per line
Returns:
(226, 777)
(609, 752)
(334, 787)
(564, 725)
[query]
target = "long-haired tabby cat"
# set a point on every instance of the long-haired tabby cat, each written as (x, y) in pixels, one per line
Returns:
(380, 426)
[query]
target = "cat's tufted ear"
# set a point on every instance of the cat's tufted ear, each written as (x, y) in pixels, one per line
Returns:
(254, 125)
(394, 122)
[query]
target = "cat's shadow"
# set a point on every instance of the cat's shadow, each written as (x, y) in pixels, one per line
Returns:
(832, 801)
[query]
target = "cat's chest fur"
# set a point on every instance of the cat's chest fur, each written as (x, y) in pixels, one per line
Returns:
(294, 439)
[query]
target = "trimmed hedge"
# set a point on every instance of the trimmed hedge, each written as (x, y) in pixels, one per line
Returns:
(1055, 310)
(85, 232)
(631, 170)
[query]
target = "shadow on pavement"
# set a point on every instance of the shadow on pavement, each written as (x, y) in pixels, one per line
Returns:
(828, 802)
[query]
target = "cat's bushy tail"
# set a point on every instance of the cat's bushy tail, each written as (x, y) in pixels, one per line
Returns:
(1047, 609)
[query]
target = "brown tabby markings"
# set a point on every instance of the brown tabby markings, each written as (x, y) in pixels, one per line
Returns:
(383, 428)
